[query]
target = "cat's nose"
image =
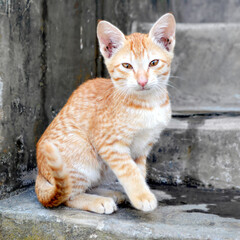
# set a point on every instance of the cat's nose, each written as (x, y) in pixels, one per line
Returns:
(142, 81)
(142, 78)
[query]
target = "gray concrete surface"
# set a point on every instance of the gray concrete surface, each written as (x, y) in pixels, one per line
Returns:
(198, 150)
(206, 68)
(22, 217)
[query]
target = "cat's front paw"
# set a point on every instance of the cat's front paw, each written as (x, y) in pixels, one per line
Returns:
(145, 201)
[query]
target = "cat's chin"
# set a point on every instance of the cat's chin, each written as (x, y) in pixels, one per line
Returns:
(148, 93)
(143, 92)
(143, 89)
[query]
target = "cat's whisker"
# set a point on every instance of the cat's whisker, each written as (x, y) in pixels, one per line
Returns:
(170, 85)
(178, 90)
(177, 77)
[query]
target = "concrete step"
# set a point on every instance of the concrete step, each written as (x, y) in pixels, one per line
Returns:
(201, 11)
(183, 213)
(199, 151)
(206, 68)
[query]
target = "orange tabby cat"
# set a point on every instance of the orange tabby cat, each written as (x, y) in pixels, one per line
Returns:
(110, 123)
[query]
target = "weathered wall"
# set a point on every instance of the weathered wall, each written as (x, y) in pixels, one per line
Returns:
(71, 50)
(47, 48)
(21, 91)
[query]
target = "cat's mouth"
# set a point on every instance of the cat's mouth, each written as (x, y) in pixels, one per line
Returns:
(143, 89)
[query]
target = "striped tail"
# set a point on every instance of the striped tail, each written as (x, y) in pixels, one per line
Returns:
(51, 195)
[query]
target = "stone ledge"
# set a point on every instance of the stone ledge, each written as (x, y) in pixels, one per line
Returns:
(202, 149)
(22, 217)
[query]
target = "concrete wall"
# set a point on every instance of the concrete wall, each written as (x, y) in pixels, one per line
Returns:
(206, 11)
(47, 48)
(70, 48)
(21, 91)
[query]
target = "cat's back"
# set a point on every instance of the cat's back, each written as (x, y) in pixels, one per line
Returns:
(90, 91)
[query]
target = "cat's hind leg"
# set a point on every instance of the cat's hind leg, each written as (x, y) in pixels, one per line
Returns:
(92, 203)
(117, 196)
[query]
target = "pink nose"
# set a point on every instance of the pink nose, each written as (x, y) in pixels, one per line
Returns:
(142, 81)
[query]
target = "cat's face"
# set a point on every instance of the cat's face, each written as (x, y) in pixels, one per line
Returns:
(139, 63)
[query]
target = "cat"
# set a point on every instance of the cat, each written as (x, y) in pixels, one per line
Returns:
(110, 123)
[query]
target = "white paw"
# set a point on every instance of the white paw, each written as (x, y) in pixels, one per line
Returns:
(145, 201)
(105, 205)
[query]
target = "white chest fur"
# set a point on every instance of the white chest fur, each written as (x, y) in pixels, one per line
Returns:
(151, 124)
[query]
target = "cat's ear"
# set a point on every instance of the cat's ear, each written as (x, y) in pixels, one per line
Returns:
(163, 32)
(110, 38)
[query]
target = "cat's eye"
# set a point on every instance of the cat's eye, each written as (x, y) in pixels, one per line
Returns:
(153, 63)
(127, 65)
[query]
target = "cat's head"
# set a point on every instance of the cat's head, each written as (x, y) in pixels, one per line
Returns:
(139, 63)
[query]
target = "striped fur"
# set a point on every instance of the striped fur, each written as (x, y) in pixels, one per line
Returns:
(110, 123)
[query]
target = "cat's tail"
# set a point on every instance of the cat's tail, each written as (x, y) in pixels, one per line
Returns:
(58, 191)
